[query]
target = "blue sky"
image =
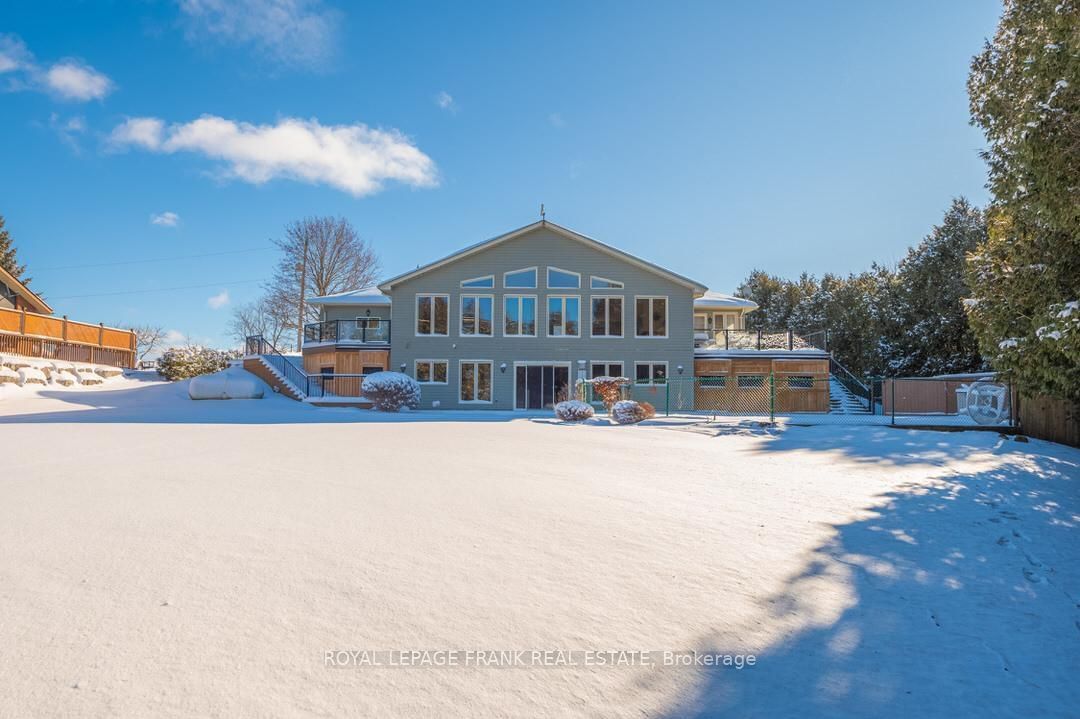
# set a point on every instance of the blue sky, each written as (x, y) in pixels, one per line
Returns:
(711, 138)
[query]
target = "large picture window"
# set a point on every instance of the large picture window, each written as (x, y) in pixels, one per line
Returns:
(476, 315)
(475, 380)
(650, 315)
(431, 371)
(564, 316)
(520, 279)
(607, 315)
(519, 316)
(433, 315)
(562, 279)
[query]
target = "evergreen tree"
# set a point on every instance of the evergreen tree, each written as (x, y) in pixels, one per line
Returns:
(1025, 276)
(932, 334)
(7, 255)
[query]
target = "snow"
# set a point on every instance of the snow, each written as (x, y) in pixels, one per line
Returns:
(31, 375)
(197, 558)
(230, 383)
(718, 300)
(365, 296)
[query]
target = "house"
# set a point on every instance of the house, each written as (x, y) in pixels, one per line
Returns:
(515, 321)
(28, 329)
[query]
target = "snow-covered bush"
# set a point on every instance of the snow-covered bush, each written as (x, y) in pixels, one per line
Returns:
(628, 411)
(391, 391)
(573, 410)
(192, 361)
(608, 389)
(31, 375)
(8, 375)
(63, 378)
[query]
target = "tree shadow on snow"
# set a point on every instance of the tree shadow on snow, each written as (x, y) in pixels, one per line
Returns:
(956, 598)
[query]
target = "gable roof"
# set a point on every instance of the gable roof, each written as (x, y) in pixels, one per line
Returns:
(363, 296)
(30, 297)
(696, 287)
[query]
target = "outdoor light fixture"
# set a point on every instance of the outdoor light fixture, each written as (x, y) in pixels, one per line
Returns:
(679, 369)
(502, 367)
(403, 367)
(367, 312)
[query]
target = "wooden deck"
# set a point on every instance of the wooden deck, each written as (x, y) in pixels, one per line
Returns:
(47, 337)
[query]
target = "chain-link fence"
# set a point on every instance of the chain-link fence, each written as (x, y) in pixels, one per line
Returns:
(825, 399)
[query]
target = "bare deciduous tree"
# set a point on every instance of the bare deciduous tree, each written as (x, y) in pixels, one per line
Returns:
(260, 318)
(148, 338)
(324, 255)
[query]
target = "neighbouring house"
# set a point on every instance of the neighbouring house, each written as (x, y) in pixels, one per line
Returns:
(514, 321)
(28, 329)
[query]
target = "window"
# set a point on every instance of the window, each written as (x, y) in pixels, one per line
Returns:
(750, 381)
(433, 315)
(712, 382)
(605, 369)
(519, 316)
(564, 316)
(475, 380)
(371, 369)
(800, 382)
(726, 320)
(487, 281)
(602, 283)
(520, 279)
(607, 316)
(701, 323)
(326, 370)
(563, 279)
(431, 371)
(476, 315)
(650, 372)
(651, 316)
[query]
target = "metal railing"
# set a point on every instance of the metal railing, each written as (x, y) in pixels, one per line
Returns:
(851, 383)
(363, 330)
(336, 385)
(293, 373)
(763, 340)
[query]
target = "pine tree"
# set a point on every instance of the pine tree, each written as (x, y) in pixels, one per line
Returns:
(1025, 277)
(7, 255)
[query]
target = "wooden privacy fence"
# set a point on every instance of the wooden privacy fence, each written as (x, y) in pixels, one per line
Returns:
(33, 335)
(1056, 420)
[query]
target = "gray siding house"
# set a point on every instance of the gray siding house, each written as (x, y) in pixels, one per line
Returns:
(513, 322)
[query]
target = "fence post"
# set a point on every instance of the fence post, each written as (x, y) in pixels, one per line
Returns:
(790, 340)
(892, 400)
(667, 398)
(772, 395)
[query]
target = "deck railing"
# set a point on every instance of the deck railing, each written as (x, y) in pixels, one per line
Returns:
(360, 331)
(762, 340)
(48, 337)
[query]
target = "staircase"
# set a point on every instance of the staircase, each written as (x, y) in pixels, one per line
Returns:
(844, 401)
(282, 373)
(261, 367)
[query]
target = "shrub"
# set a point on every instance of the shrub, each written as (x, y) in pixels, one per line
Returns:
(649, 410)
(573, 410)
(192, 361)
(628, 412)
(8, 375)
(608, 389)
(391, 391)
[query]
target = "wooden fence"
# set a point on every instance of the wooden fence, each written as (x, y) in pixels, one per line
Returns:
(33, 335)
(1052, 419)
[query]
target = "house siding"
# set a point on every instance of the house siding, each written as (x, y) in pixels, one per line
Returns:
(541, 248)
(351, 312)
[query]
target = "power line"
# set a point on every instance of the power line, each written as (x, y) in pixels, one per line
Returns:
(158, 289)
(159, 259)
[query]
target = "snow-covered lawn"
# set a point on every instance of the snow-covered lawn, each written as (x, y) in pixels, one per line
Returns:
(164, 557)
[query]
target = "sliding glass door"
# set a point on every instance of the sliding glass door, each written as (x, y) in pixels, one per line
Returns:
(541, 386)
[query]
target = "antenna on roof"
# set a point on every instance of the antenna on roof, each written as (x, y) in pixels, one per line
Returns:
(541, 211)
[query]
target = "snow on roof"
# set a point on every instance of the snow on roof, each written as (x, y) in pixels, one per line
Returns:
(719, 300)
(364, 296)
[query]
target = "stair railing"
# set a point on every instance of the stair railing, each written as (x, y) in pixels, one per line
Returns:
(294, 374)
(850, 382)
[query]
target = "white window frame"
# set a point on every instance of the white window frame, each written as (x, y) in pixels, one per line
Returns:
(651, 382)
(622, 366)
(416, 310)
(569, 272)
(536, 313)
(431, 370)
(466, 286)
(547, 315)
(721, 325)
(667, 316)
(461, 315)
(617, 285)
(476, 378)
(536, 278)
(704, 316)
(607, 319)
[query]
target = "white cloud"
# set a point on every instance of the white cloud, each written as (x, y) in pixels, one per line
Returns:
(68, 130)
(556, 120)
(73, 80)
(216, 302)
(446, 101)
(165, 219)
(291, 32)
(67, 79)
(354, 158)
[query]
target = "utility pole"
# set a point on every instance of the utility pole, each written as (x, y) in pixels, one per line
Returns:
(302, 267)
